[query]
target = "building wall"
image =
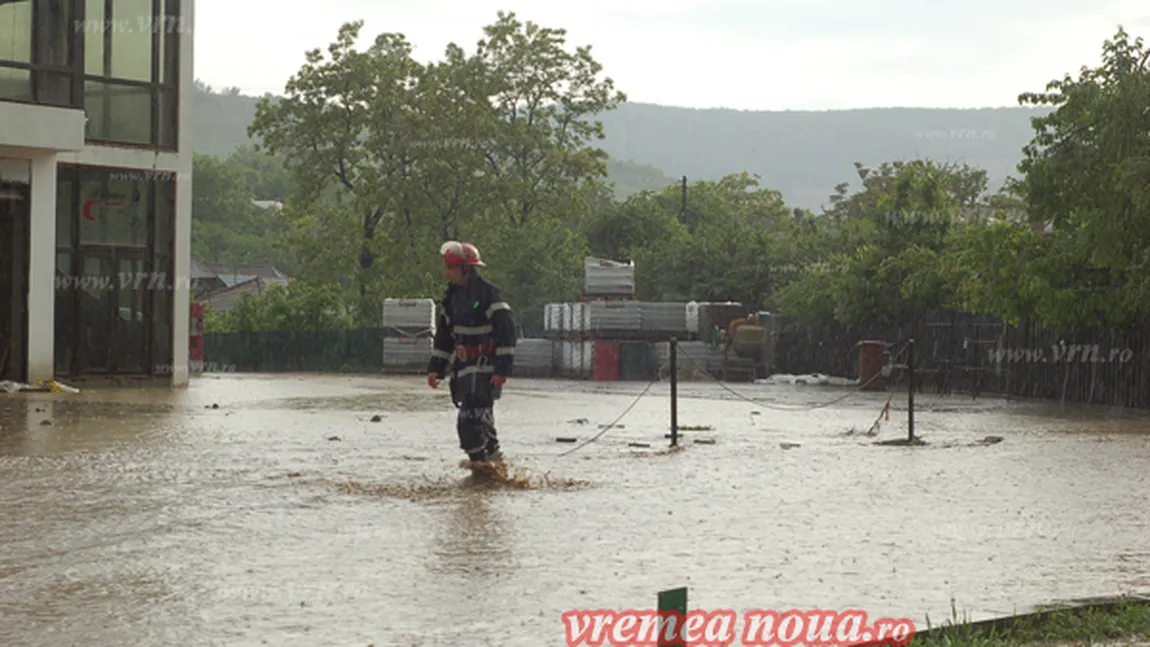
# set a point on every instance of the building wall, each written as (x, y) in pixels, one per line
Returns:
(50, 136)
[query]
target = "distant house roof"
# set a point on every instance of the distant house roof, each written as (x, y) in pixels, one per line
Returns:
(232, 280)
(198, 271)
(224, 299)
(226, 271)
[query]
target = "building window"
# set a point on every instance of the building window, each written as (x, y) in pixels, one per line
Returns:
(131, 71)
(114, 271)
(39, 52)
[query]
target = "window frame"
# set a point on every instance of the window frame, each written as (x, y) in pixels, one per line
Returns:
(74, 70)
(152, 253)
(161, 9)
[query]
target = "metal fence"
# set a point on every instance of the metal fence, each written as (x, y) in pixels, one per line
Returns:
(971, 354)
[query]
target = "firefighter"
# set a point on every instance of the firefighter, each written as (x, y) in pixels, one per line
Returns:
(475, 342)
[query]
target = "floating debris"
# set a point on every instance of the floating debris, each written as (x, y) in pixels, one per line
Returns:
(579, 421)
(902, 442)
(704, 441)
(565, 439)
(756, 413)
(992, 440)
(786, 445)
(333, 438)
(696, 428)
(377, 418)
(612, 426)
(640, 445)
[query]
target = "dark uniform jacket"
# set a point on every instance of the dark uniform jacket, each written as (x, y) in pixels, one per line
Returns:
(474, 340)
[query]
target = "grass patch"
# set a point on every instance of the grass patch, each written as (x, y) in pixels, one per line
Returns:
(1117, 623)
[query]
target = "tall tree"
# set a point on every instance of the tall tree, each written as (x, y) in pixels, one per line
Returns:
(1087, 171)
(349, 119)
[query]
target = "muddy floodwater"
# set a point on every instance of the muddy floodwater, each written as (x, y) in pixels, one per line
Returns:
(273, 510)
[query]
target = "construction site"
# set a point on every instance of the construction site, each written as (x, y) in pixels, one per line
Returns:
(609, 335)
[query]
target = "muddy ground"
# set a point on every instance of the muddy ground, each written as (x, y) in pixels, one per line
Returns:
(254, 508)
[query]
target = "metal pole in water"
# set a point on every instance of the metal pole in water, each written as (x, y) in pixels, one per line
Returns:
(674, 392)
(672, 603)
(910, 390)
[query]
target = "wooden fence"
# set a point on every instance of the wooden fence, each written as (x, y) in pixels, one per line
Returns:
(982, 355)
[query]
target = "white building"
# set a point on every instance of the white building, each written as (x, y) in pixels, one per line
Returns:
(95, 189)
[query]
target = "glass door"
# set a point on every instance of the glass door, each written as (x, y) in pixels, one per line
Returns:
(114, 322)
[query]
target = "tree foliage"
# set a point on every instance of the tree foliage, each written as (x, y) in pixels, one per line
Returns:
(379, 158)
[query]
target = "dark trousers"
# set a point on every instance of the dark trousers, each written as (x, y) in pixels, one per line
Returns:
(476, 421)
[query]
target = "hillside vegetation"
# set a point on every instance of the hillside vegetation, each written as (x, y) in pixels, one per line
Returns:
(803, 155)
(379, 158)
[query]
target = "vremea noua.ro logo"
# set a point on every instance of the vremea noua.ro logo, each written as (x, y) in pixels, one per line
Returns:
(1061, 354)
(762, 627)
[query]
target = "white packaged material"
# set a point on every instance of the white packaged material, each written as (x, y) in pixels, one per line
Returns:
(414, 317)
(615, 315)
(566, 318)
(604, 277)
(666, 317)
(406, 352)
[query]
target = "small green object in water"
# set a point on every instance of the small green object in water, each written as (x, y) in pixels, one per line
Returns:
(476, 306)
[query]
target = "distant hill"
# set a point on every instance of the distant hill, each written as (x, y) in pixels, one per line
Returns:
(802, 154)
(221, 124)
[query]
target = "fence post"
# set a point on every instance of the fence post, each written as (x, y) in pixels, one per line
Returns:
(910, 389)
(674, 392)
(672, 602)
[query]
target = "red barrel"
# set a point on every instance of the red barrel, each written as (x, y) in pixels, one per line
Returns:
(606, 361)
(870, 366)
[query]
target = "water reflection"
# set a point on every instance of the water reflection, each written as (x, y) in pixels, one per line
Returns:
(474, 538)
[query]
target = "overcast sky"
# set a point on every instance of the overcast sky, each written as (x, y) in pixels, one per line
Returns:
(743, 54)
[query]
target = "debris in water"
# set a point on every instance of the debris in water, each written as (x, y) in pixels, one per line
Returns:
(756, 413)
(640, 445)
(612, 426)
(565, 439)
(447, 487)
(786, 445)
(46, 422)
(377, 418)
(333, 438)
(579, 421)
(991, 440)
(696, 428)
(902, 442)
(704, 441)
(212, 406)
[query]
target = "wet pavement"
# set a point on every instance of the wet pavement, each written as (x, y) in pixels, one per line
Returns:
(286, 516)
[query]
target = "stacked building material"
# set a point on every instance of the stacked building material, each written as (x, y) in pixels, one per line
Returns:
(607, 278)
(663, 317)
(408, 330)
(533, 358)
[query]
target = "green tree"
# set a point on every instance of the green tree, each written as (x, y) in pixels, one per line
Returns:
(1087, 171)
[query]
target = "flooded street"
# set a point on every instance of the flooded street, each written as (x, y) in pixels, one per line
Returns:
(286, 515)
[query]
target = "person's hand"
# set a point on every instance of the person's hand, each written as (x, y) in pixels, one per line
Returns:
(433, 380)
(498, 380)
